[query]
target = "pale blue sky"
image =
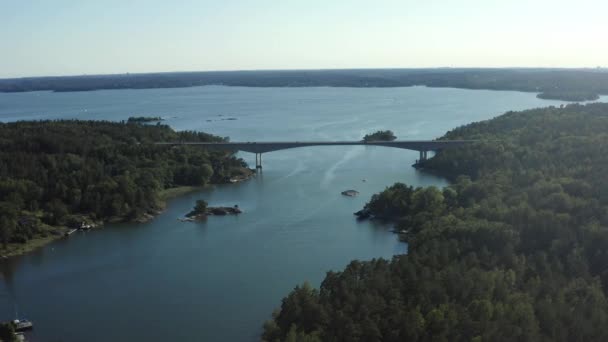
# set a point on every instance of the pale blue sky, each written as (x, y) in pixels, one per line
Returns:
(71, 37)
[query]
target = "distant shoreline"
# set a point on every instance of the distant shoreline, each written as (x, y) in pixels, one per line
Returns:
(573, 85)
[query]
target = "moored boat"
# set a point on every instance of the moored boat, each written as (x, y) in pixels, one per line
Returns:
(22, 324)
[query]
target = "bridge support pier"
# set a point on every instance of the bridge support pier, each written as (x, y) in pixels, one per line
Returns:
(423, 156)
(258, 161)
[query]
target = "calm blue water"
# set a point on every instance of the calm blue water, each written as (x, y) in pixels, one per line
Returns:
(219, 280)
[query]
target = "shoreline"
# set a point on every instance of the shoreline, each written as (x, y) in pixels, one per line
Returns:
(536, 80)
(57, 232)
(14, 249)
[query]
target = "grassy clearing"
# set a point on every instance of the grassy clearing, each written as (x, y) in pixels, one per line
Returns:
(13, 249)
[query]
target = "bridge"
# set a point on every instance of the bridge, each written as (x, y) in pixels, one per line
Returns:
(422, 146)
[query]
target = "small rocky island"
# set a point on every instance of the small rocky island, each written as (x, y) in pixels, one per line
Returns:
(380, 136)
(350, 193)
(201, 210)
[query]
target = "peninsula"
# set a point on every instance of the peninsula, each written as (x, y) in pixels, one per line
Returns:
(59, 174)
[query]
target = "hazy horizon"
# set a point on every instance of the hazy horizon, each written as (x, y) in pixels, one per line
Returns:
(66, 37)
(311, 69)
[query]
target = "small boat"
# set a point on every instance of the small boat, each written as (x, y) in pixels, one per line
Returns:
(70, 232)
(350, 193)
(22, 324)
(85, 226)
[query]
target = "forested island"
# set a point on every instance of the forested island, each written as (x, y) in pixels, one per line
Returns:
(144, 119)
(515, 249)
(56, 174)
(562, 84)
(380, 136)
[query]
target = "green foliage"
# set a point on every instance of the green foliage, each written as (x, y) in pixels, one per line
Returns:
(302, 305)
(380, 136)
(51, 171)
(7, 332)
(515, 249)
(200, 208)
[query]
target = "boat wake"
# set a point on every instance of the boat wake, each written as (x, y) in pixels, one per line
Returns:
(298, 169)
(330, 174)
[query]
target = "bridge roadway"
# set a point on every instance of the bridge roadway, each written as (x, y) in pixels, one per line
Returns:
(423, 146)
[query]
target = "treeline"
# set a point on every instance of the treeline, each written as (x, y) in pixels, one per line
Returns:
(56, 173)
(516, 249)
(564, 84)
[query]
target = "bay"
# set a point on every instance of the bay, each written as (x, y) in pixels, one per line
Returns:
(219, 280)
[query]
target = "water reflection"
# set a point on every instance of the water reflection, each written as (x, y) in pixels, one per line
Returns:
(8, 267)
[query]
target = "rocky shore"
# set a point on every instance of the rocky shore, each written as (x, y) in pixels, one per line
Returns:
(211, 211)
(363, 214)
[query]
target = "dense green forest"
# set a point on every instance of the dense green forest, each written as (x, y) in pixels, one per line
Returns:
(380, 136)
(515, 249)
(7, 333)
(60, 173)
(564, 84)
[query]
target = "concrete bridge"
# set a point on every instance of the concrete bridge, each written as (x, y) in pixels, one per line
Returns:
(423, 146)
